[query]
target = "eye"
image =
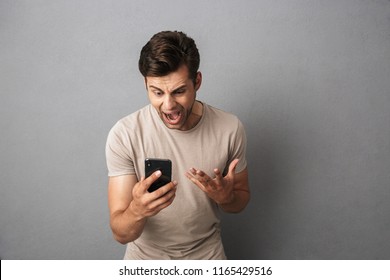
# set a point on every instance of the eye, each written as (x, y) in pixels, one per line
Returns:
(158, 93)
(180, 91)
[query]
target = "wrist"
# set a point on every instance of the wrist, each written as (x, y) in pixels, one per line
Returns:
(134, 214)
(227, 200)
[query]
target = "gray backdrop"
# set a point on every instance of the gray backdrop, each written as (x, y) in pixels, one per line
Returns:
(309, 79)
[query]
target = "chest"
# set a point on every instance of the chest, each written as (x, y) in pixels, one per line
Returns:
(203, 150)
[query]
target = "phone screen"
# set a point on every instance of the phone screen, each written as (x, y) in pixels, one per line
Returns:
(164, 165)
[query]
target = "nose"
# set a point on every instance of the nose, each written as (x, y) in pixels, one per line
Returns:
(169, 102)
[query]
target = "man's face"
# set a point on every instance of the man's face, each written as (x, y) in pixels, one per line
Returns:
(173, 96)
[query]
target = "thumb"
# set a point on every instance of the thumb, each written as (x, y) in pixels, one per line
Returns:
(151, 179)
(232, 167)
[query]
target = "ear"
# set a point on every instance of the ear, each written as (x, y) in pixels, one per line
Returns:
(198, 80)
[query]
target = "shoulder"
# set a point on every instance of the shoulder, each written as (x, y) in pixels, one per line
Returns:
(132, 121)
(123, 138)
(130, 127)
(225, 124)
(222, 118)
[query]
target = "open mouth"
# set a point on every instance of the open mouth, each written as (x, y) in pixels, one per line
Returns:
(173, 118)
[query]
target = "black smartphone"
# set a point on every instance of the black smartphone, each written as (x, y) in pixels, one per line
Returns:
(164, 165)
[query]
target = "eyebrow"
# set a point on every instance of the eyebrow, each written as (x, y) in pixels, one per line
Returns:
(176, 89)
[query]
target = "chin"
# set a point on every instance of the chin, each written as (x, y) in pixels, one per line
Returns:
(174, 126)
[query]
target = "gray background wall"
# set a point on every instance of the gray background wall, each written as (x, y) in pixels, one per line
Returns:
(309, 79)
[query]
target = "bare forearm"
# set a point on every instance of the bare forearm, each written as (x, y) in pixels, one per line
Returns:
(126, 226)
(238, 203)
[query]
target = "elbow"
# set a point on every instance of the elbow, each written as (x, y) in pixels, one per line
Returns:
(120, 239)
(241, 197)
(239, 206)
(123, 233)
(124, 239)
(235, 210)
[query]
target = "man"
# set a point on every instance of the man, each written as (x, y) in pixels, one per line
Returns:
(207, 149)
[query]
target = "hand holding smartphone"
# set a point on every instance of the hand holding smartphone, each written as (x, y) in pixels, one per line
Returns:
(154, 164)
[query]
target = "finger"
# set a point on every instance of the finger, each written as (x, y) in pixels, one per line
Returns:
(195, 174)
(163, 205)
(142, 179)
(232, 166)
(190, 175)
(160, 192)
(138, 189)
(152, 178)
(205, 183)
(204, 179)
(194, 180)
(165, 196)
(211, 185)
(218, 176)
(200, 173)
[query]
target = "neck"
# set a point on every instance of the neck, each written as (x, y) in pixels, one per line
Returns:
(198, 108)
(196, 114)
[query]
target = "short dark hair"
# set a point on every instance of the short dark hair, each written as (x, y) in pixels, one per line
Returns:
(166, 51)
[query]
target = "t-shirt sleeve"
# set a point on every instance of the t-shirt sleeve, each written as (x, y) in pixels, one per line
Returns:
(118, 152)
(238, 148)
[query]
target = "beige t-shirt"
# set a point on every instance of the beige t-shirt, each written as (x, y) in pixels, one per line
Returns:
(190, 227)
